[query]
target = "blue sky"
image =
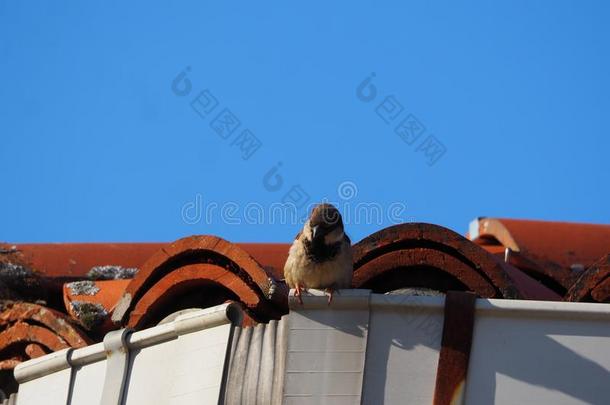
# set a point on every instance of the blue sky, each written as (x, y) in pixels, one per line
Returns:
(96, 146)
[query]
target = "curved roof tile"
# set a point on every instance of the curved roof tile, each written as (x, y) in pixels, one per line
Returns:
(30, 330)
(211, 285)
(90, 303)
(429, 246)
(202, 250)
(594, 284)
(554, 250)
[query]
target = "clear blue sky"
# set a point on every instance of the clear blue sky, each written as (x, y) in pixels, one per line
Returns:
(95, 145)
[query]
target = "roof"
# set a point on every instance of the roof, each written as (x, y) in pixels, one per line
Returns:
(70, 294)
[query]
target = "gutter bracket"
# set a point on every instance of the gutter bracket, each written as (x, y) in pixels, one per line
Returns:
(117, 362)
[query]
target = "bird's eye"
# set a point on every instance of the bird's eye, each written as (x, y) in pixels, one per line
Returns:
(331, 217)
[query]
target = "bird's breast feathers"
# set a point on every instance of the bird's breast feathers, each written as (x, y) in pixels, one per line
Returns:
(328, 266)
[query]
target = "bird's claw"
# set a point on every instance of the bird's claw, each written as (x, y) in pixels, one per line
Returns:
(330, 292)
(299, 293)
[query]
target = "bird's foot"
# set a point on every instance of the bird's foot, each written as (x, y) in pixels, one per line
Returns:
(299, 293)
(330, 292)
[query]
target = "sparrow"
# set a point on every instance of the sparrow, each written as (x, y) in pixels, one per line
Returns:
(321, 255)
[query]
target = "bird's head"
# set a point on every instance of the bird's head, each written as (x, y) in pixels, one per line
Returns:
(325, 225)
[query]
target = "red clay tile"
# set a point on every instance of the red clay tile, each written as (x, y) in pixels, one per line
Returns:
(550, 274)
(34, 350)
(201, 250)
(55, 321)
(76, 259)
(271, 256)
(101, 294)
(594, 284)
(9, 364)
(432, 254)
(213, 284)
(29, 331)
(554, 250)
(21, 332)
(104, 292)
(601, 293)
(530, 288)
(410, 259)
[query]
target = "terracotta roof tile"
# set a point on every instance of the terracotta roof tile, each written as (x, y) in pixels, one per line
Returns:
(221, 257)
(75, 260)
(594, 284)
(92, 304)
(271, 256)
(426, 255)
(197, 285)
(29, 330)
(553, 252)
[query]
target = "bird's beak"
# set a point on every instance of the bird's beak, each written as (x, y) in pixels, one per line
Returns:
(314, 231)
